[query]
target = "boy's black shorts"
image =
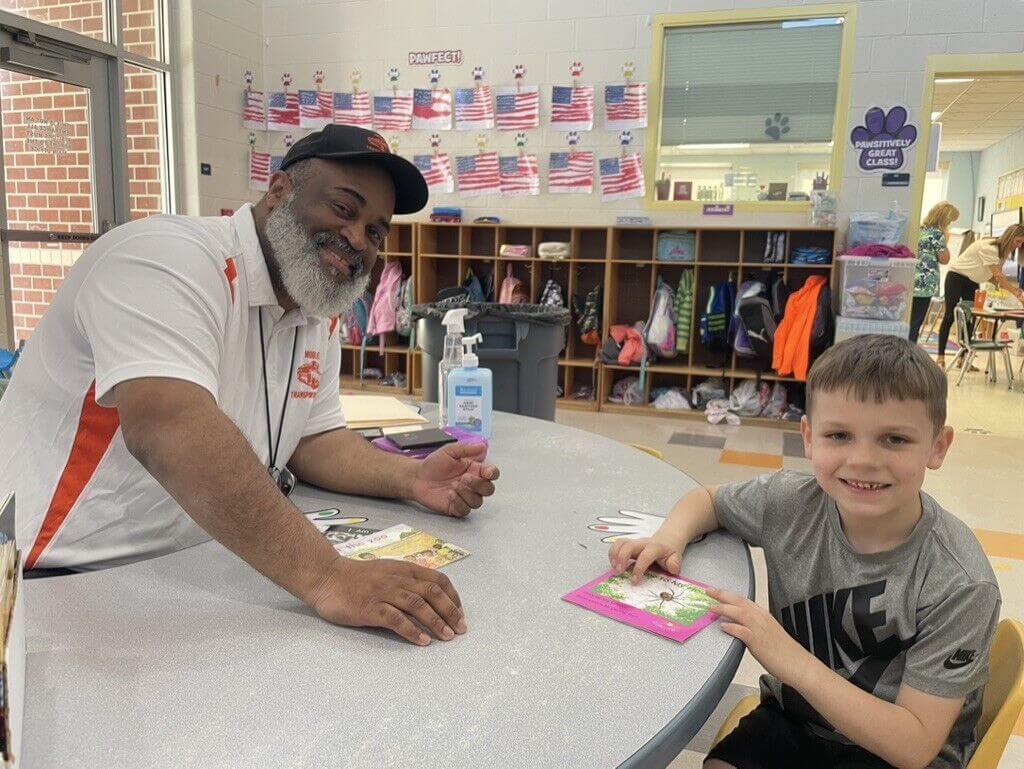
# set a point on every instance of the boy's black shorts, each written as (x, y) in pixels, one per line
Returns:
(767, 738)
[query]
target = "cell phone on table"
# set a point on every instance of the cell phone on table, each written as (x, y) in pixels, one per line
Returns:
(371, 432)
(421, 439)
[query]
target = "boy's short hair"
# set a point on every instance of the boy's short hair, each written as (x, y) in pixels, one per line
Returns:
(879, 367)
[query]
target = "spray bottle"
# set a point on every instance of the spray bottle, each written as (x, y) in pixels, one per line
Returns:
(470, 392)
(454, 323)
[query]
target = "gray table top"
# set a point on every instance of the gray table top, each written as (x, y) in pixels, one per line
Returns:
(195, 660)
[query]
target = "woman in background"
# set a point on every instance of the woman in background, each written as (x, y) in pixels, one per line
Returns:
(932, 250)
(981, 262)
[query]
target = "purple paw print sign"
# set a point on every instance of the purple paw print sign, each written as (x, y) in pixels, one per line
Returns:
(883, 139)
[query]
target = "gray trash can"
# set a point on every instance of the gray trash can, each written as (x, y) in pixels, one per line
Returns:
(521, 347)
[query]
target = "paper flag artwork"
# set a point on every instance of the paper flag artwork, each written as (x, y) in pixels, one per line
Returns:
(254, 114)
(437, 171)
(622, 177)
(316, 108)
(478, 174)
(282, 111)
(519, 175)
(571, 172)
(259, 170)
(392, 110)
(353, 109)
(625, 106)
(517, 108)
(474, 108)
(572, 107)
(431, 109)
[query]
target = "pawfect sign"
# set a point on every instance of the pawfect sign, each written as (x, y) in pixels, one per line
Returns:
(884, 139)
(433, 58)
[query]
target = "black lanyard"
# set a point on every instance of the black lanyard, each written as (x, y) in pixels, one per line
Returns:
(284, 479)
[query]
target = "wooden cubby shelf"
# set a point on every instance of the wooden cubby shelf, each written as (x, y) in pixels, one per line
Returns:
(623, 260)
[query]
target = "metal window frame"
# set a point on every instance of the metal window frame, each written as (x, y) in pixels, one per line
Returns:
(111, 170)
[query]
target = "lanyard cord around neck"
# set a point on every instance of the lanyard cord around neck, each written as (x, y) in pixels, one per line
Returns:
(273, 446)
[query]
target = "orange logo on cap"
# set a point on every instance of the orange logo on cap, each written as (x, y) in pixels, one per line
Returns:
(377, 143)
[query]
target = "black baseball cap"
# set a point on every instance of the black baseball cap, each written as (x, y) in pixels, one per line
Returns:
(348, 142)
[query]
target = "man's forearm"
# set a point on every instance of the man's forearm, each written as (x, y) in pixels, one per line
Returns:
(208, 467)
(346, 463)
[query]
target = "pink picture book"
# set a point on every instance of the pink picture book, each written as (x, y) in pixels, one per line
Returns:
(660, 603)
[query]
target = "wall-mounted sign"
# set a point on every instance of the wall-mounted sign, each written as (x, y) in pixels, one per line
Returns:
(895, 180)
(718, 209)
(433, 58)
(884, 139)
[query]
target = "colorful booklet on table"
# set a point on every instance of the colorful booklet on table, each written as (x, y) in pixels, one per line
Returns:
(403, 543)
(660, 603)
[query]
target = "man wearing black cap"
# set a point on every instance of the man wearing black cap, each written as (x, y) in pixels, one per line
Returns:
(186, 375)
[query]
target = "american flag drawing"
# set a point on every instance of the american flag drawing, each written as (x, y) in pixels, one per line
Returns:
(572, 107)
(625, 106)
(254, 111)
(474, 108)
(282, 111)
(571, 172)
(392, 110)
(437, 171)
(275, 164)
(518, 109)
(316, 108)
(478, 174)
(519, 175)
(431, 109)
(353, 109)
(259, 169)
(622, 177)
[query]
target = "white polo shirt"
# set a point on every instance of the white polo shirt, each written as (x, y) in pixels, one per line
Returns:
(168, 296)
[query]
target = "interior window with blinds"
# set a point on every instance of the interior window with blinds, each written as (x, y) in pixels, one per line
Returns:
(747, 110)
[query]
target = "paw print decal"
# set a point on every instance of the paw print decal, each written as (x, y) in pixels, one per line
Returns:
(625, 138)
(286, 80)
(481, 141)
(355, 77)
(393, 74)
(628, 70)
(318, 78)
(520, 140)
(289, 140)
(776, 125)
(434, 76)
(435, 141)
(883, 138)
(252, 139)
(478, 74)
(248, 78)
(518, 71)
(573, 138)
(576, 69)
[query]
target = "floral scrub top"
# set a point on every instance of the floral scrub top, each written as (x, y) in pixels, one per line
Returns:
(926, 278)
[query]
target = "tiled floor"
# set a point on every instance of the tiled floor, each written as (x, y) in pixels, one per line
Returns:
(980, 482)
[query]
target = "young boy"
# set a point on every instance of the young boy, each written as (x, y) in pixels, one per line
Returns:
(882, 603)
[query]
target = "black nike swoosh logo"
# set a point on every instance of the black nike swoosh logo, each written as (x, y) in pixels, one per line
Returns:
(951, 664)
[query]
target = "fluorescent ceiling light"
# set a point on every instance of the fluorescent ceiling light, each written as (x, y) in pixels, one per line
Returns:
(948, 80)
(724, 146)
(684, 164)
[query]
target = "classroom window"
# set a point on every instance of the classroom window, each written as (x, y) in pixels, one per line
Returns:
(748, 108)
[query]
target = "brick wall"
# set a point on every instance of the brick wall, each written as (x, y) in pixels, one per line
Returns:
(83, 16)
(50, 187)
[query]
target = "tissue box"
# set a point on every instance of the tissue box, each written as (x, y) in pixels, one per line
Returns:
(873, 288)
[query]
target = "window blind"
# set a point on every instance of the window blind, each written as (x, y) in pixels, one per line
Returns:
(722, 82)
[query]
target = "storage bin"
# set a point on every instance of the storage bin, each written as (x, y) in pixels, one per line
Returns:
(521, 347)
(677, 246)
(875, 288)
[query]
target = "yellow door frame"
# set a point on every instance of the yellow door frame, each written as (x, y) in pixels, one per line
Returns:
(662, 22)
(949, 65)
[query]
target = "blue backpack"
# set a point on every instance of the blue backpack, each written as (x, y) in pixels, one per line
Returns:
(715, 320)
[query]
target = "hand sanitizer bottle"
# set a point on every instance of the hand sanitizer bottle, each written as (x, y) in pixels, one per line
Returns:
(470, 394)
(454, 323)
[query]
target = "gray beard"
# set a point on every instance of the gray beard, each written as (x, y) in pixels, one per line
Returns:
(319, 292)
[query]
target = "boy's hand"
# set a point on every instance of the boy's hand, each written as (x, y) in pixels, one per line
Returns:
(646, 552)
(771, 645)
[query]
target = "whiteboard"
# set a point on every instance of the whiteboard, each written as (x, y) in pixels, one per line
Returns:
(1000, 220)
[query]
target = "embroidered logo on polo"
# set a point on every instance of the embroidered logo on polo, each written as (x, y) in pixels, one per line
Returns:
(308, 374)
(818, 624)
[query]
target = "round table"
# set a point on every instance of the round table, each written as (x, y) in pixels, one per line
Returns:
(195, 660)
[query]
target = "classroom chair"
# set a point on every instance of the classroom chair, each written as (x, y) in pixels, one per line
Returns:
(1001, 705)
(970, 346)
(648, 450)
(932, 320)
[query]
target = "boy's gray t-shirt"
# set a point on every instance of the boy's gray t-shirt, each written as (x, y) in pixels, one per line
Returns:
(922, 614)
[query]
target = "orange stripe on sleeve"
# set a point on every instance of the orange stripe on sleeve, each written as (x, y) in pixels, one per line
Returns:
(96, 428)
